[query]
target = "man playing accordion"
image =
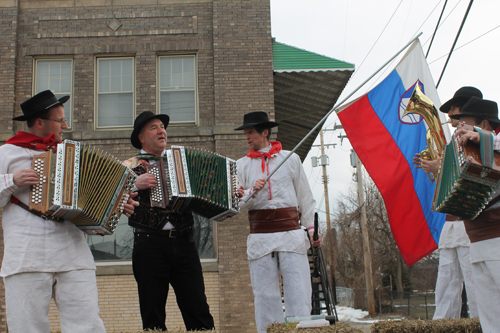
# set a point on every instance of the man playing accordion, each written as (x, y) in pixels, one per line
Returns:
(164, 250)
(484, 230)
(455, 266)
(43, 258)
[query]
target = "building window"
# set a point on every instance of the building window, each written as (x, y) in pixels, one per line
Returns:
(56, 75)
(119, 246)
(178, 88)
(115, 92)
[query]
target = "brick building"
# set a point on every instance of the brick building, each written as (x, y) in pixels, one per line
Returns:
(203, 62)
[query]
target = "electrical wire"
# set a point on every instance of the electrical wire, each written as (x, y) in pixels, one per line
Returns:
(454, 42)
(446, 18)
(406, 22)
(362, 62)
(382, 73)
(437, 26)
(473, 40)
(345, 27)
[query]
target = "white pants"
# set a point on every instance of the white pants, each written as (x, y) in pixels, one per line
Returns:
(487, 280)
(297, 290)
(454, 268)
(28, 295)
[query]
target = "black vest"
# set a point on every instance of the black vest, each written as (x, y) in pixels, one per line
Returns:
(153, 218)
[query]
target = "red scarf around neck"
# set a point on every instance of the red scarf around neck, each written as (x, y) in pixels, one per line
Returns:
(31, 141)
(276, 148)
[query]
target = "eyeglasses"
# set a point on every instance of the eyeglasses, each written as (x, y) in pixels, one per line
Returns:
(60, 121)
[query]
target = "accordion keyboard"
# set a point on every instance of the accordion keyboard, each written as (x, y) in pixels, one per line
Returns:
(39, 192)
(157, 193)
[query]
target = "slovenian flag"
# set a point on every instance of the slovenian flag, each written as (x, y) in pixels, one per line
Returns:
(386, 143)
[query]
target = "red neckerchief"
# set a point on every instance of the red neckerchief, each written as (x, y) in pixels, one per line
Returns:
(497, 130)
(30, 141)
(276, 148)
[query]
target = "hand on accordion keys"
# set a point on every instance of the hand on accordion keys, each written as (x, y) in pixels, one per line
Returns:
(146, 181)
(466, 136)
(25, 177)
(128, 208)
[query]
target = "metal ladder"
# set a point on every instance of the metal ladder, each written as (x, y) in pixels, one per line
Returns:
(323, 296)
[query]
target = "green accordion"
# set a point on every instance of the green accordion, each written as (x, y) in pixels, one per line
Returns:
(196, 180)
(464, 185)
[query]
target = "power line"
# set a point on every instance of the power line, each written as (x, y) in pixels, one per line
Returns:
(455, 42)
(437, 25)
(446, 18)
(473, 40)
(377, 38)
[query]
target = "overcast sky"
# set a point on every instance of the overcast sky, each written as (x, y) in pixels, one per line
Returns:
(367, 33)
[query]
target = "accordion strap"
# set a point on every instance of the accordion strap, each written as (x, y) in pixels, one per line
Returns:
(492, 202)
(486, 147)
(21, 204)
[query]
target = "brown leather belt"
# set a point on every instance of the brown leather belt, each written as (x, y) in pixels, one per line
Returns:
(170, 233)
(273, 220)
(21, 204)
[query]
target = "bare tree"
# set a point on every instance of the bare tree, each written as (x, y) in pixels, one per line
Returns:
(388, 265)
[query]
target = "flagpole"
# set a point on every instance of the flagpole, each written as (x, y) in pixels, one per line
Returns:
(331, 111)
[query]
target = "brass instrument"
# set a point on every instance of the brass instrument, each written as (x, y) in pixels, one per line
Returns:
(423, 106)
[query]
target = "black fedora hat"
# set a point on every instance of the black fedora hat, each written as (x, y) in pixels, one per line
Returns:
(142, 120)
(479, 108)
(40, 102)
(462, 95)
(253, 119)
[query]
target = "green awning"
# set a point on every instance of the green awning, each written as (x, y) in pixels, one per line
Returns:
(288, 58)
(306, 86)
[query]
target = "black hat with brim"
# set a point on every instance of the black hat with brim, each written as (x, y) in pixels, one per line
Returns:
(479, 108)
(42, 101)
(256, 118)
(142, 120)
(461, 96)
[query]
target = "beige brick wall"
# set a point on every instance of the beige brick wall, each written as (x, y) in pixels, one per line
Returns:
(119, 304)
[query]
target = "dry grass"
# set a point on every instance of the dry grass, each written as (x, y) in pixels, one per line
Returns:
(420, 326)
(274, 328)
(153, 331)
(337, 328)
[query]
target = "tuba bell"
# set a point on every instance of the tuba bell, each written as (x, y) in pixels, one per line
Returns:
(423, 106)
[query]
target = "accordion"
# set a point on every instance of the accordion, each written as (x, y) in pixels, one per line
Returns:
(464, 185)
(195, 180)
(81, 184)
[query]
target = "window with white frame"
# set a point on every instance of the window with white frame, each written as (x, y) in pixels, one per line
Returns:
(115, 92)
(178, 88)
(56, 75)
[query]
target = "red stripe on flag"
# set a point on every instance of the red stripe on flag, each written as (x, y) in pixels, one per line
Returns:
(390, 171)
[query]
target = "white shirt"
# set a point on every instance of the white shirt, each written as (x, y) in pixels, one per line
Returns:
(33, 244)
(289, 188)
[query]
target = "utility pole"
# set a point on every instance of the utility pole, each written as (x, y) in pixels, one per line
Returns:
(366, 242)
(330, 234)
(325, 182)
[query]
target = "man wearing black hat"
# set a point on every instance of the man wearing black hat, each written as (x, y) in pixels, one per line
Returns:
(164, 251)
(484, 230)
(43, 259)
(276, 243)
(455, 266)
